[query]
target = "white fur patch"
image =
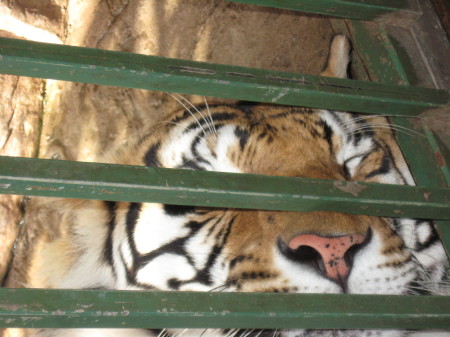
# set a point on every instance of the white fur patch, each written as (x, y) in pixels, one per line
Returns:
(154, 228)
(163, 268)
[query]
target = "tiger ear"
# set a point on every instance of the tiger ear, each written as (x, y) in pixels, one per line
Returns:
(338, 59)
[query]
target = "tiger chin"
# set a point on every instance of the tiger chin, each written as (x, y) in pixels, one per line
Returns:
(128, 246)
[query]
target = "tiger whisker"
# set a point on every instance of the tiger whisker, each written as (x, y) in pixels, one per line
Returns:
(192, 114)
(398, 128)
(163, 331)
(412, 289)
(377, 115)
(249, 332)
(181, 333)
(222, 286)
(168, 122)
(363, 118)
(393, 126)
(198, 111)
(210, 115)
(233, 332)
(259, 333)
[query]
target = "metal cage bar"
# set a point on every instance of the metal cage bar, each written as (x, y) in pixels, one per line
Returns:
(69, 179)
(38, 308)
(87, 65)
(378, 10)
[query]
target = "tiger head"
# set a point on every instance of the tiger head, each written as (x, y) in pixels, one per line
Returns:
(125, 245)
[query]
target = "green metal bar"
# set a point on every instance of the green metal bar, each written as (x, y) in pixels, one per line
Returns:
(39, 308)
(351, 9)
(26, 58)
(68, 179)
(439, 156)
(383, 64)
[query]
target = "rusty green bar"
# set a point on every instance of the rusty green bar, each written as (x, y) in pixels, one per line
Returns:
(351, 9)
(67, 179)
(39, 308)
(26, 58)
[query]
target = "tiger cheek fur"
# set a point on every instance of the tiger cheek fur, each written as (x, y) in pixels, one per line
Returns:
(167, 247)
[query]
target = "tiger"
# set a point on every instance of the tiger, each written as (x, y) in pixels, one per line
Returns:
(129, 245)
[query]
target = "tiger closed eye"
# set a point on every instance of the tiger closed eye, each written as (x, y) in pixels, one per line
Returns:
(351, 163)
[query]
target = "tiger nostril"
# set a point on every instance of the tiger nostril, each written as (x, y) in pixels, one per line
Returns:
(333, 254)
(305, 253)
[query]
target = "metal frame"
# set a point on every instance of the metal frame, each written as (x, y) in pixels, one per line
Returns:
(89, 308)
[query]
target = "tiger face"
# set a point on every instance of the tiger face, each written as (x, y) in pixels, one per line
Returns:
(122, 245)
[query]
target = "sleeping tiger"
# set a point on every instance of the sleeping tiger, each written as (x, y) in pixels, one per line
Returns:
(128, 245)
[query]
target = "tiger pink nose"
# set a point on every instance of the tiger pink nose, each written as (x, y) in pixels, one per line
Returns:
(332, 251)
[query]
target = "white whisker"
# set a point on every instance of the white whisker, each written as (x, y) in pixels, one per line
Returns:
(192, 114)
(163, 331)
(198, 111)
(259, 333)
(210, 115)
(397, 128)
(181, 333)
(234, 332)
(249, 332)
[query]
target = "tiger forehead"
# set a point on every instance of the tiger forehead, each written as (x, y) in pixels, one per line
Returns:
(260, 120)
(248, 114)
(256, 138)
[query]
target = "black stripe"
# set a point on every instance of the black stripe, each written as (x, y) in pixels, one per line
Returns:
(204, 275)
(178, 210)
(243, 136)
(174, 247)
(216, 117)
(131, 220)
(150, 158)
(432, 239)
(158, 332)
(108, 247)
(360, 134)
(190, 164)
(328, 134)
(383, 169)
(195, 154)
